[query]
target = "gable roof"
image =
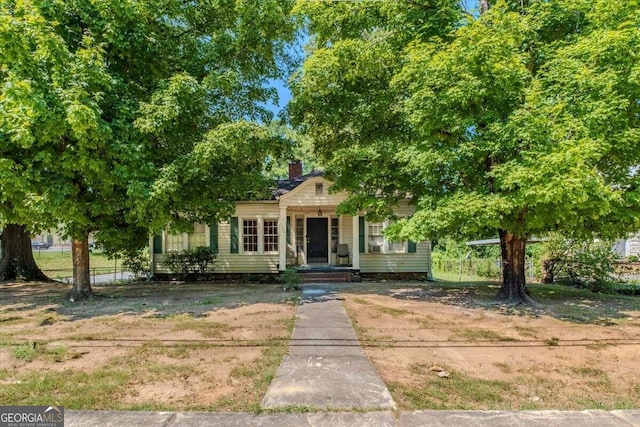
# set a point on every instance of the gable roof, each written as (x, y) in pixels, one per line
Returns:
(286, 185)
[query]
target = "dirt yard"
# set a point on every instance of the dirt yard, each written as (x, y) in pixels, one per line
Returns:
(467, 353)
(202, 346)
(147, 346)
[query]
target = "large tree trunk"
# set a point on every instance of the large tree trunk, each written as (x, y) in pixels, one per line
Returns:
(513, 289)
(81, 278)
(17, 257)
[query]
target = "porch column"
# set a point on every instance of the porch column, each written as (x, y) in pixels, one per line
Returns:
(355, 246)
(282, 239)
(152, 262)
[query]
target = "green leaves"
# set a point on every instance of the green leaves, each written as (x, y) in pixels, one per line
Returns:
(525, 119)
(110, 110)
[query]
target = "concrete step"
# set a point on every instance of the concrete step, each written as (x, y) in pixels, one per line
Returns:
(326, 277)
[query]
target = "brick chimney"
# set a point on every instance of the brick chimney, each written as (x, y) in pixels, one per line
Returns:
(295, 169)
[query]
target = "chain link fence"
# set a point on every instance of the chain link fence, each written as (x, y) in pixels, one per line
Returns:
(486, 268)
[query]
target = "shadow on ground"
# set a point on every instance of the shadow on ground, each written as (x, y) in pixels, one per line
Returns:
(558, 301)
(153, 298)
(197, 298)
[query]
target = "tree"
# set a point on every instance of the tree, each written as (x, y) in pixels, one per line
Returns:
(17, 260)
(518, 122)
(301, 148)
(120, 117)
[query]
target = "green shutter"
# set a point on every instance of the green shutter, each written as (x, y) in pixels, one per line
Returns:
(361, 234)
(213, 236)
(234, 234)
(288, 230)
(411, 246)
(157, 244)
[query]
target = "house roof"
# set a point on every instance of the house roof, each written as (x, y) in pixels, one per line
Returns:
(286, 185)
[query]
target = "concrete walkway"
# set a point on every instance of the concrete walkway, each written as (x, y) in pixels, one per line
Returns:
(326, 368)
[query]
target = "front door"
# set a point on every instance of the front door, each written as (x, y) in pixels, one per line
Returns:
(317, 240)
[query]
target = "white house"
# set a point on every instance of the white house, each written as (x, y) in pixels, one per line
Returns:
(299, 228)
(628, 247)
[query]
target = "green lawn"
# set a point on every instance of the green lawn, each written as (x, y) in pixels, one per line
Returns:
(456, 277)
(57, 264)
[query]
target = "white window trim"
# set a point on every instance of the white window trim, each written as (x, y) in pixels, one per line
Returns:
(165, 242)
(385, 248)
(261, 235)
(241, 235)
(205, 233)
(260, 223)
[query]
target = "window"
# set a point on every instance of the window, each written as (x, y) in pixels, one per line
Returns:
(270, 228)
(198, 237)
(378, 243)
(250, 235)
(174, 242)
(319, 189)
(299, 235)
(376, 239)
(394, 246)
(335, 235)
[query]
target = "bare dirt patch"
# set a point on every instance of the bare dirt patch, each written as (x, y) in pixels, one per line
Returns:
(198, 346)
(437, 350)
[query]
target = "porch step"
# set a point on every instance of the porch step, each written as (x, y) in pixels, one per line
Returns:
(326, 277)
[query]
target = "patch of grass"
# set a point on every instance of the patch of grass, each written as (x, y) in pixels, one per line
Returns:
(164, 371)
(459, 391)
(588, 371)
(482, 334)
(183, 350)
(362, 301)
(504, 367)
(292, 409)
(29, 351)
(394, 312)
(93, 336)
(71, 389)
(26, 351)
(552, 342)
(253, 380)
(210, 301)
(206, 328)
(6, 320)
(59, 354)
(288, 323)
(427, 321)
(55, 263)
(598, 345)
(526, 331)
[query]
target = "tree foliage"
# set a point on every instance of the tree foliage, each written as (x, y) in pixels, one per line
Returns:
(119, 116)
(582, 263)
(520, 121)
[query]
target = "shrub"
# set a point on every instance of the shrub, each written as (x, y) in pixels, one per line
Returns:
(191, 261)
(581, 263)
(290, 279)
(138, 263)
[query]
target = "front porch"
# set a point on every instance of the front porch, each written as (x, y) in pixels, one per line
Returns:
(314, 238)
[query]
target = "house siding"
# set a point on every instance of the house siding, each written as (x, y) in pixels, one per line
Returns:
(305, 196)
(228, 262)
(418, 262)
(415, 262)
